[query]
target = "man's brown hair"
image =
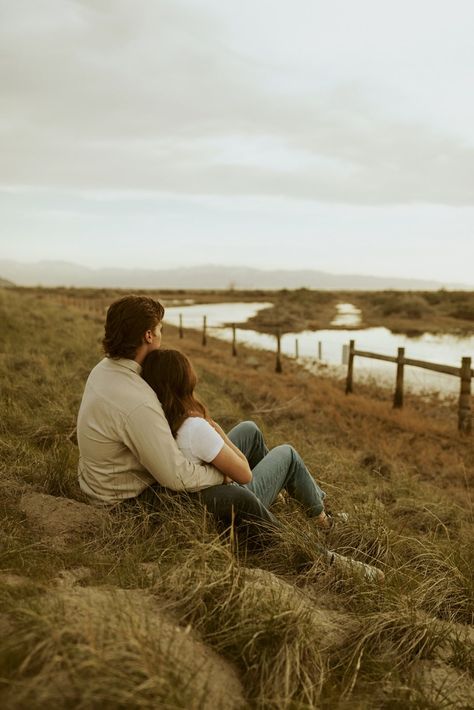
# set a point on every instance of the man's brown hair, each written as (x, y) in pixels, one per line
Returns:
(126, 323)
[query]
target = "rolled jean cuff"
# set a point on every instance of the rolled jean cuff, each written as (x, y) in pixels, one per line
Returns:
(315, 510)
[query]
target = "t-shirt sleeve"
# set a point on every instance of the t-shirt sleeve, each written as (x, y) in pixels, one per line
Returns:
(148, 436)
(204, 441)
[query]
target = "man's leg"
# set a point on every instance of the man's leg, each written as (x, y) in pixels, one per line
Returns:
(249, 439)
(233, 502)
(284, 468)
(228, 503)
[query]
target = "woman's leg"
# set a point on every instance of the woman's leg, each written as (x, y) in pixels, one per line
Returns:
(249, 439)
(272, 471)
(284, 468)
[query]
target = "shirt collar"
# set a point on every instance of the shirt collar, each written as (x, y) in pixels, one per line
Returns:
(132, 365)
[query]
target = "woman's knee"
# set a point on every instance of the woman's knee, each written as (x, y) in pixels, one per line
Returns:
(285, 452)
(245, 431)
(250, 428)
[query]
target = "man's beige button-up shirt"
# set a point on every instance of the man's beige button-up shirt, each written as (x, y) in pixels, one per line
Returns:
(125, 443)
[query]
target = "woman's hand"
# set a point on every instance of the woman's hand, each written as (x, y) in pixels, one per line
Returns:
(218, 428)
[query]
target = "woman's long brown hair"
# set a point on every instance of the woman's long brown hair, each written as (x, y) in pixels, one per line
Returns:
(172, 377)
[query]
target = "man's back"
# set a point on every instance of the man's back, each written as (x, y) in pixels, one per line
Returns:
(125, 443)
(107, 468)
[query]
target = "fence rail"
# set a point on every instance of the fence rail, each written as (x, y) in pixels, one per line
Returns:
(465, 374)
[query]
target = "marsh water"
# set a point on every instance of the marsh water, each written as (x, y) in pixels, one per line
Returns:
(444, 349)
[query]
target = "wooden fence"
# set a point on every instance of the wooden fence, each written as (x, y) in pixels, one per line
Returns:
(465, 373)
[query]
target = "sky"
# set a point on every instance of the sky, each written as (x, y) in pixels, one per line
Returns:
(337, 136)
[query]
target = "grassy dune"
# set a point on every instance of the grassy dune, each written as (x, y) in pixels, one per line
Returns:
(164, 611)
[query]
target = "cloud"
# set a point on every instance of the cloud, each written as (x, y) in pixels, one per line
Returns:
(155, 96)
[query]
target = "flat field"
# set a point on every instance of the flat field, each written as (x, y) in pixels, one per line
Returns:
(410, 312)
(125, 609)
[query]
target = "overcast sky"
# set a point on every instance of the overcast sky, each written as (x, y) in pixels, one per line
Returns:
(336, 135)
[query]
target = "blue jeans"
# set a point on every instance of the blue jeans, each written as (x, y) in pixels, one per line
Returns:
(272, 471)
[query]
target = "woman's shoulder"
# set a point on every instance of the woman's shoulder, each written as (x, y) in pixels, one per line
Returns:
(194, 424)
(198, 437)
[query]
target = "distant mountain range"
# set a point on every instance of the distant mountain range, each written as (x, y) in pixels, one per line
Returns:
(59, 273)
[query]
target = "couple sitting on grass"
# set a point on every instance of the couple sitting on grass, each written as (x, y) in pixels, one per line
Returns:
(141, 429)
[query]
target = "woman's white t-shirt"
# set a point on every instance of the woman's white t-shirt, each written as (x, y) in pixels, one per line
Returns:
(199, 441)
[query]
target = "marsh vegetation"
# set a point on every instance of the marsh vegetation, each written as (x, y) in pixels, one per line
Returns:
(409, 312)
(164, 610)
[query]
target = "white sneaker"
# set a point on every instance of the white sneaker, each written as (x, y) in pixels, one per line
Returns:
(346, 564)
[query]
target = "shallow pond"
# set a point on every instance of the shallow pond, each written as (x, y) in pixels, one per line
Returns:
(347, 315)
(443, 349)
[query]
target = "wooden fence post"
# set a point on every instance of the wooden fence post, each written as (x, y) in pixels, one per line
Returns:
(278, 367)
(345, 354)
(320, 350)
(204, 326)
(180, 325)
(398, 396)
(234, 346)
(464, 418)
(297, 349)
(350, 367)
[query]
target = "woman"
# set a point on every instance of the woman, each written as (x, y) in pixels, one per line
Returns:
(241, 456)
(255, 475)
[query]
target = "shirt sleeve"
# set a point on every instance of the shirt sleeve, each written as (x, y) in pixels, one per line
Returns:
(148, 435)
(205, 443)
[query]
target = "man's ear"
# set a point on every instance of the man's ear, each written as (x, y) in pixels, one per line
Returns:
(148, 337)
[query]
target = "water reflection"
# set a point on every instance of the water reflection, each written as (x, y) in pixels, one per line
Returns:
(445, 349)
(216, 313)
(347, 315)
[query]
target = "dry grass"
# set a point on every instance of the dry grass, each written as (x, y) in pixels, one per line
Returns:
(298, 635)
(96, 647)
